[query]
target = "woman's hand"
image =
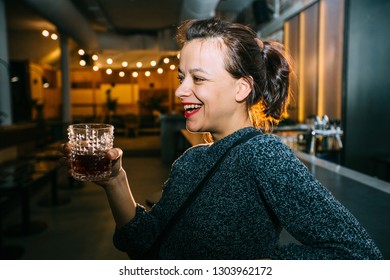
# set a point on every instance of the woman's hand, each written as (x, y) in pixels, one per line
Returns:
(120, 198)
(114, 154)
(65, 160)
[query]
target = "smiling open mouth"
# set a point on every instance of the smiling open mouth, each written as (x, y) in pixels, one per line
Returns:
(190, 109)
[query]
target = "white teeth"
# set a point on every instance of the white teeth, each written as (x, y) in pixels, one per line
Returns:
(192, 106)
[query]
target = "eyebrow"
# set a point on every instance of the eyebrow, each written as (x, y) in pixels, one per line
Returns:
(194, 70)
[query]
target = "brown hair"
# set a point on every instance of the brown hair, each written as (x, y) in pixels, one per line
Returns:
(263, 63)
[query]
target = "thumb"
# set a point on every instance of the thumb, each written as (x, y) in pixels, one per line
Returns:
(114, 154)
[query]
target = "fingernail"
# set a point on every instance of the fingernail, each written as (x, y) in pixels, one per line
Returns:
(111, 154)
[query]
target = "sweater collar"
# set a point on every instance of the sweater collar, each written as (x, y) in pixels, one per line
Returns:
(225, 143)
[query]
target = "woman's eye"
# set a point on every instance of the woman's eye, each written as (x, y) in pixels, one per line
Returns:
(198, 79)
(180, 78)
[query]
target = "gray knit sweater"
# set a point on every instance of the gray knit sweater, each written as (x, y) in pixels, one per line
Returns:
(228, 220)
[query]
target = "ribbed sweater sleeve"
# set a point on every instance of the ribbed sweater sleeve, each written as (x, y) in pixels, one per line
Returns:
(305, 208)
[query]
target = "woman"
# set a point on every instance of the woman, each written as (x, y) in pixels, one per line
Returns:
(232, 84)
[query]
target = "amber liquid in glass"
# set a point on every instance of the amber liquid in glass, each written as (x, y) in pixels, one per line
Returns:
(91, 164)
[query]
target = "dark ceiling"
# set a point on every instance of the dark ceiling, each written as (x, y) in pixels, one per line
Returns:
(131, 30)
(131, 16)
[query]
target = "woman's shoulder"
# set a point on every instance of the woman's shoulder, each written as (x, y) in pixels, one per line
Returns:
(192, 153)
(262, 141)
(267, 147)
(266, 140)
(197, 149)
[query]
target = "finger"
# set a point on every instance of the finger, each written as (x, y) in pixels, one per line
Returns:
(64, 148)
(61, 148)
(114, 154)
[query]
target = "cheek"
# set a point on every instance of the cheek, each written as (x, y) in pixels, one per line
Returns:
(216, 96)
(218, 106)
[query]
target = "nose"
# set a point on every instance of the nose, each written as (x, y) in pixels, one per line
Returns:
(183, 90)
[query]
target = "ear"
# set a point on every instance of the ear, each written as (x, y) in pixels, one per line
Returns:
(244, 88)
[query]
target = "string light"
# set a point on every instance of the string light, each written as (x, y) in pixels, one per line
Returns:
(46, 34)
(87, 58)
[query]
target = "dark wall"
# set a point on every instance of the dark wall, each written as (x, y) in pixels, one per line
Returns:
(366, 109)
(21, 92)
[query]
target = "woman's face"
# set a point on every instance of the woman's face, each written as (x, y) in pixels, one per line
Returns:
(207, 90)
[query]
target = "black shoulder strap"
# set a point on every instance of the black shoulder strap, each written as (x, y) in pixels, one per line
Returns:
(153, 251)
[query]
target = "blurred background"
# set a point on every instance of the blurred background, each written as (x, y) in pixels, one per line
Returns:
(115, 61)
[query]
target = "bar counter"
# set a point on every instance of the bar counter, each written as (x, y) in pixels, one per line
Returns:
(368, 198)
